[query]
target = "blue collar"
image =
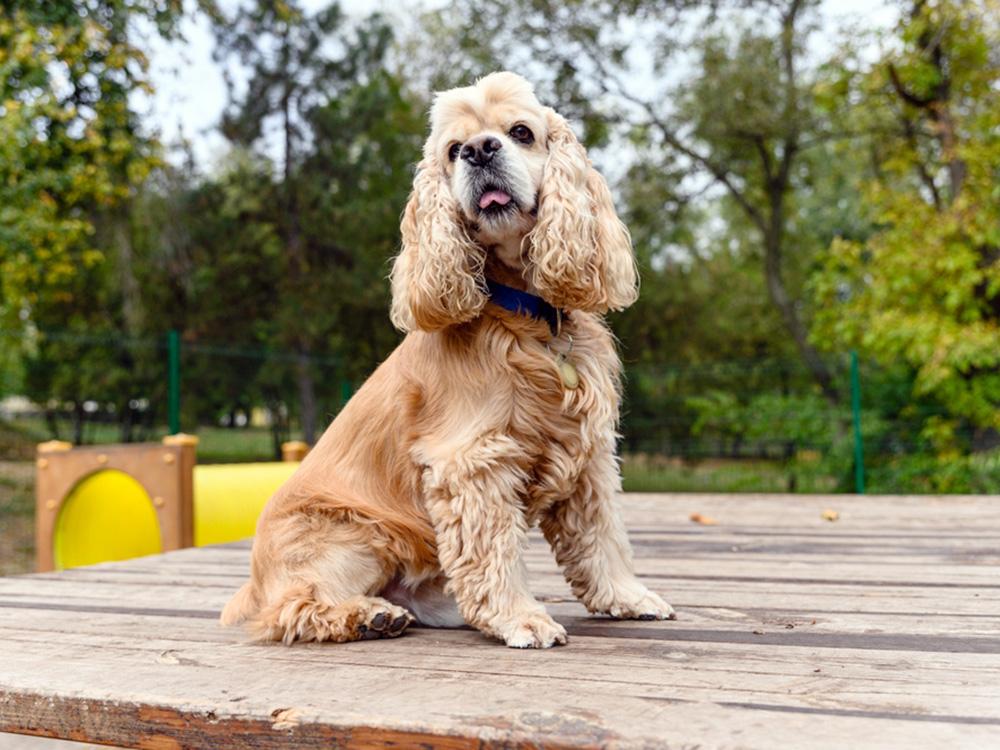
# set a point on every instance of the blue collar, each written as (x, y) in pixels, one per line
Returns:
(524, 303)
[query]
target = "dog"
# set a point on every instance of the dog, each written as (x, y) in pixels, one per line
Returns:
(497, 412)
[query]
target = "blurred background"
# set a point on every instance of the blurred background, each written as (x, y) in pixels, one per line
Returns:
(199, 202)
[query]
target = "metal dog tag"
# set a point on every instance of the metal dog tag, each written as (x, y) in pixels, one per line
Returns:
(567, 371)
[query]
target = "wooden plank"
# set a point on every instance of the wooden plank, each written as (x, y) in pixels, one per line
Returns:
(196, 670)
(892, 641)
(640, 662)
(716, 601)
(410, 702)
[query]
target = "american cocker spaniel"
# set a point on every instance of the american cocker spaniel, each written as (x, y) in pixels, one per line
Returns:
(498, 410)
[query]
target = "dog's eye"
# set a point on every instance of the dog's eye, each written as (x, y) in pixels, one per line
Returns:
(453, 151)
(522, 134)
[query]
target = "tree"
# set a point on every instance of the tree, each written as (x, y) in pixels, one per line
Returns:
(924, 288)
(355, 182)
(70, 142)
(71, 155)
(295, 62)
(208, 261)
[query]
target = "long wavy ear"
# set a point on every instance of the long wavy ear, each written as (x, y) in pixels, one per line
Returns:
(437, 278)
(580, 252)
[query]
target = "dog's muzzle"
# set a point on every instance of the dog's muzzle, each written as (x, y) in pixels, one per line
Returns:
(491, 186)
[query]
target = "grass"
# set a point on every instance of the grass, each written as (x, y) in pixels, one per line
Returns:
(705, 476)
(17, 517)
(17, 441)
(215, 444)
(644, 473)
(219, 445)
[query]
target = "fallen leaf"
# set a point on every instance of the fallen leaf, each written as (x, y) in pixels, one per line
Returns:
(703, 520)
(830, 515)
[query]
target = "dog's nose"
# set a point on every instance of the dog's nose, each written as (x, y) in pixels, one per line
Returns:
(479, 151)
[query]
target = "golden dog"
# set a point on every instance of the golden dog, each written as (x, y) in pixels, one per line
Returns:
(496, 412)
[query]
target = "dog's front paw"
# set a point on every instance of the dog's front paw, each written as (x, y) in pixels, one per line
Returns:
(644, 606)
(534, 630)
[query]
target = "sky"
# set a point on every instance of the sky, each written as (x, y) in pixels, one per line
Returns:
(191, 94)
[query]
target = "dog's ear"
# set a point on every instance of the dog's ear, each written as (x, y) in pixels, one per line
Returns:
(580, 252)
(437, 278)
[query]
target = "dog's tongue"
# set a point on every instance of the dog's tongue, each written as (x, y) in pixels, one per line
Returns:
(494, 196)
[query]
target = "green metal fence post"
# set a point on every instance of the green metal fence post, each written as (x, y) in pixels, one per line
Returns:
(174, 381)
(859, 453)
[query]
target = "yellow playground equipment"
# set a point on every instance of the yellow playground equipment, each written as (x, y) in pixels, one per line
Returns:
(113, 502)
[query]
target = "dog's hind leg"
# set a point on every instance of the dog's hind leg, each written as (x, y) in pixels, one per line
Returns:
(327, 593)
(302, 614)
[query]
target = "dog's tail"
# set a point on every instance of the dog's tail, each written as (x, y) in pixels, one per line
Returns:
(243, 604)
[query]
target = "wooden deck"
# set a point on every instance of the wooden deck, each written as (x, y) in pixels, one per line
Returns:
(881, 629)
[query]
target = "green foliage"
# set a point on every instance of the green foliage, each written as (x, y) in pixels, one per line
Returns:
(925, 473)
(258, 257)
(348, 133)
(355, 183)
(924, 288)
(70, 146)
(72, 153)
(643, 473)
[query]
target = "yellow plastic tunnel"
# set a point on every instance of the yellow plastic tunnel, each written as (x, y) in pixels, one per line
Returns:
(108, 515)
(228, 498)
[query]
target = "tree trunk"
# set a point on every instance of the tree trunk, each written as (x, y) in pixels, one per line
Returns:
(126, 422)
(120, 230)
(296, 273)
(779, 181)
(941, 117)
(279, 428)
(307, 397)
(78, 421)
(53, 422)
(131, 294)
(773, 238)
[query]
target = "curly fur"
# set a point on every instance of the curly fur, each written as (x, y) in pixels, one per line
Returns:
(437, 279)
(580, 252)
(421, 493)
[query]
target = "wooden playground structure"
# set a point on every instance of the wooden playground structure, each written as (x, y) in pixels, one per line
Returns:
(114, 502)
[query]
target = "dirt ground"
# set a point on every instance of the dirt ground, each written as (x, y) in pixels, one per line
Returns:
(17, 518)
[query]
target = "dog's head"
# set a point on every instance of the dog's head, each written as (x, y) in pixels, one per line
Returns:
(501, 170)
(491, 142)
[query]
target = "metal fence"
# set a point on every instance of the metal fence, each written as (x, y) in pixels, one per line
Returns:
(752, 424)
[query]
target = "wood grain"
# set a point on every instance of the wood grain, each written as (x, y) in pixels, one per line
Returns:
(879, 630)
